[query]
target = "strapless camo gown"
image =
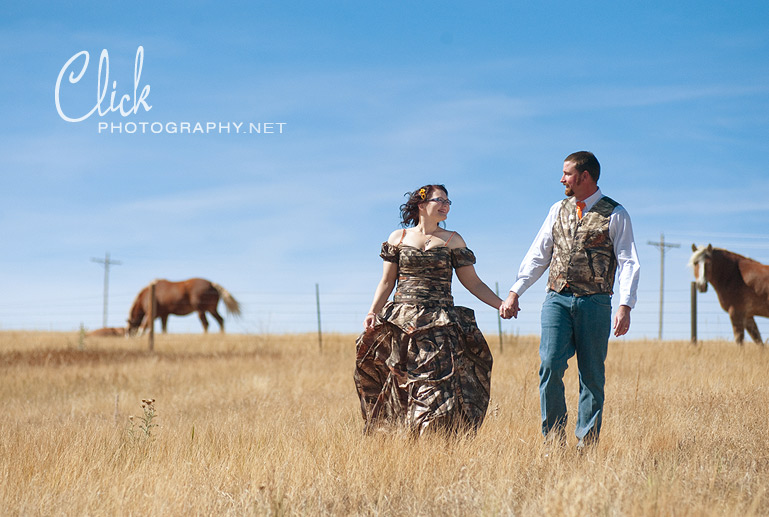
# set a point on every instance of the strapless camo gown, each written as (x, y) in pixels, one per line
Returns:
(426, 364)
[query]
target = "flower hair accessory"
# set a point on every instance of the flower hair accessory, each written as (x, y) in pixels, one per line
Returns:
(422, 193)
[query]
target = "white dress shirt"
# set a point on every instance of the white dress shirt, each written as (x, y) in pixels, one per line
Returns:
(537, 259)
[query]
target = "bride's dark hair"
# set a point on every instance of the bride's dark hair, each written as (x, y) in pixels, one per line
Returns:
(410, 209)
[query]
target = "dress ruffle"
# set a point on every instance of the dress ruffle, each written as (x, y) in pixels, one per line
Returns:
(459, 256)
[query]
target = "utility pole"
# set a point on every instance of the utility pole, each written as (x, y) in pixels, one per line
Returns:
(317, 304)
(106, 262)
(662, 245)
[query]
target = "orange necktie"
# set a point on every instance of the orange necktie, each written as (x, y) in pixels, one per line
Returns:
(580, 207)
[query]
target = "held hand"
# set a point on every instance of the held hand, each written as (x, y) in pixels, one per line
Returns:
(622, 321)
(510, 308)
(368, 323)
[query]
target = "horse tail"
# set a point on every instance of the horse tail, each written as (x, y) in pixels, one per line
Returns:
(233, 307)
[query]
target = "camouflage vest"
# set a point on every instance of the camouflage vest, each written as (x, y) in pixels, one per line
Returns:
(583, 252)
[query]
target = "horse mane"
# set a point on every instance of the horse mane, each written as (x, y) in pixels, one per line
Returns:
(727, 255)
(733, 257)
(138, 303)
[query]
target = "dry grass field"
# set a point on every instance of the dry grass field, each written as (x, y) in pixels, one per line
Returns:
(270, 425)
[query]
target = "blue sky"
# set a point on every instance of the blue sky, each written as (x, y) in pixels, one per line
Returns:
(376, 99)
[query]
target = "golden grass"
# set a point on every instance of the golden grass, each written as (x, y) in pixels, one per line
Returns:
(270, 425)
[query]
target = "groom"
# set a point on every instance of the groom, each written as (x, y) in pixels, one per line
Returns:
(585, 240)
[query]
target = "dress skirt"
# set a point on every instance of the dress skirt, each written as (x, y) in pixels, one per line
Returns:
(425, 367)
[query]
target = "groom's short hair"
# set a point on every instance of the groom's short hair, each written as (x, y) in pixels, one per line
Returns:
(585, 161)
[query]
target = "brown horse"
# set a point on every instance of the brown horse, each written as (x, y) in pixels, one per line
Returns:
(181, 298)
(107, 332)
(742, 286)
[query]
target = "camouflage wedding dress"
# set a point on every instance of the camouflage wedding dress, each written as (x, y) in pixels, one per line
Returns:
(426, 364)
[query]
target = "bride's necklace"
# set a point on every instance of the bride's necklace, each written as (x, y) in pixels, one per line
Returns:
(429, 238)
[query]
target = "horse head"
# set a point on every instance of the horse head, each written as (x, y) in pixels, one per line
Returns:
(132, 327)
(136, 316)
(700, 262)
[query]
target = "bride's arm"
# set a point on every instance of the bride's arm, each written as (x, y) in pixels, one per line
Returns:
(469, 279)
(382, 293)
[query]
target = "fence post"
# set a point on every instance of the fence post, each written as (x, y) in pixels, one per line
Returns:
(499, 321)
(694, 312)
(153, 305)
(317, 304)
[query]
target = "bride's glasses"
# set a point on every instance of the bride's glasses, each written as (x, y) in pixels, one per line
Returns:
(440, 200)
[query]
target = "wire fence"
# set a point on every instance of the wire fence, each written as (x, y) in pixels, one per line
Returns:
(343, 312)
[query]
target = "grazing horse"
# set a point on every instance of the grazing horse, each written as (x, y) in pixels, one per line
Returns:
(742, 286)
(180, 298)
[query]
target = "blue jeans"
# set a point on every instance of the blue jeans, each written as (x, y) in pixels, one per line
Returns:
(574, 324)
